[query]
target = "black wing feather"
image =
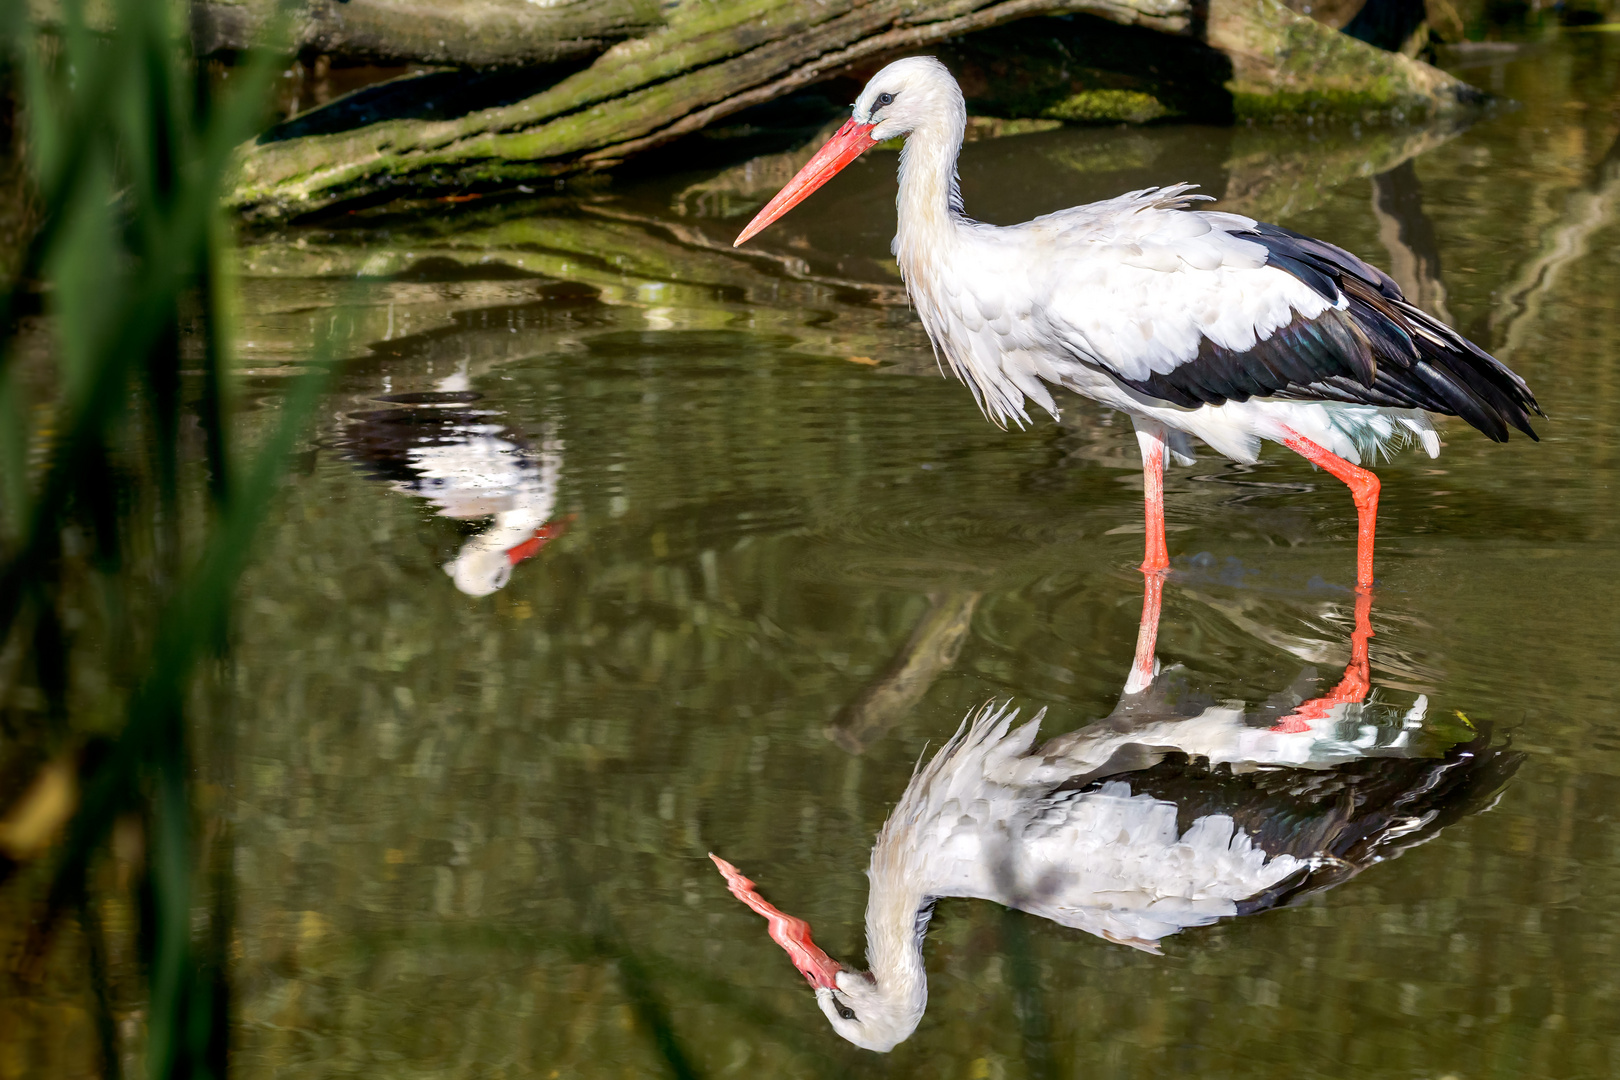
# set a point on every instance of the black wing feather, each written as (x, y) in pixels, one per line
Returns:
(1338, 820)
(1379, 350)
(1303, 353)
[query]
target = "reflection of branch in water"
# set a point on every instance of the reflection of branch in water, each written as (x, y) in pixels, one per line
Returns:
(790, 265)
(932, 649)
(1272, 175)
(1408, 235)
(743, 189)
(1588, 211)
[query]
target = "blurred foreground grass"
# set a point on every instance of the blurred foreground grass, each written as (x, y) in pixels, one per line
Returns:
(127, 506)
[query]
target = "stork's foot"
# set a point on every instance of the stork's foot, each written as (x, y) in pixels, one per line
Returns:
(1352, 689)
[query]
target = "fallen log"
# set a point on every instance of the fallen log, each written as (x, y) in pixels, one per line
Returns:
(473, 33)
(1284, 63)
(933, 648)
(470, 33)
(713, 59)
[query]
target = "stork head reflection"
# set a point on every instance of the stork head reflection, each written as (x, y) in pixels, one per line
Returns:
(874, 1009)
(1170, 813)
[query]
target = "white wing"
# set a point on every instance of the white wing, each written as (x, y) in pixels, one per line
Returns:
(1118, 866)
(1135, 283)
(1105, 861)
(1131, 285)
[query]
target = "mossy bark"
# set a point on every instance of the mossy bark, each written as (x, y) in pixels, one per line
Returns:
(716, 58)
(1285, 64)
(711, 60)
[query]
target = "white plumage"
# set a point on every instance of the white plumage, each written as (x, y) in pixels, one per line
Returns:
(1133, 286)
(468, 465)
(1198, 324)
(475, 470)
(1067, 832)
(977, 824)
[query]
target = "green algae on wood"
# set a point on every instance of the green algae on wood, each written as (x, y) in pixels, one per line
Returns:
(467, 32)
(1286, 65)
(711, 60)
(1109, 106)
(714, 59)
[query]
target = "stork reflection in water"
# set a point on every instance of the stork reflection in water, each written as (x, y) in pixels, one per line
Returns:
(1170, 813)
(440, 445)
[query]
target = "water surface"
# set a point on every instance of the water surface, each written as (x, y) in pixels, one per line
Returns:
(733, 555)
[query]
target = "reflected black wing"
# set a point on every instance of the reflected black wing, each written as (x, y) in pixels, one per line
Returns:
(1338, 820)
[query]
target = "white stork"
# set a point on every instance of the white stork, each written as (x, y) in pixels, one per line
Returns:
(1195, 323)
(468, 465)
(1155, 819)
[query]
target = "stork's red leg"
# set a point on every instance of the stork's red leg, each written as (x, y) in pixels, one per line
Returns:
(1357, 681)
(1155, 560)
(1147, 634)
(1363, 488)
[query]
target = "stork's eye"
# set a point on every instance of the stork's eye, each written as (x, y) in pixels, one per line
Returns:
(885, 99)
(845, 1011)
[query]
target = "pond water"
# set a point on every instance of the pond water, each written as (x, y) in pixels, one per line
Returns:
(616, 547)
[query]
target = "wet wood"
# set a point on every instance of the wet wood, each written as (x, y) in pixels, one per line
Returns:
(714, 59)
(470, 33)
(1285, 63)
(466, 32)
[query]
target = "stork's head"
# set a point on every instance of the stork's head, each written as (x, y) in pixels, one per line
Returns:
(908, 95)
(859, 1007)
(478, 569)
(485, 562)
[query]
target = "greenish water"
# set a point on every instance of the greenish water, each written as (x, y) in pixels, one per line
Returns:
(782, 558)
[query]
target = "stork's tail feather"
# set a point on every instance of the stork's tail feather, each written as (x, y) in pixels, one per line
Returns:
(983, 741)
(1461, 378)
(1419, 361)
(1338, 820)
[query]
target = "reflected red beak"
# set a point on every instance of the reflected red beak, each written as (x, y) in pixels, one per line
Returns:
(542, 536)
(790, 933)
(850, 142)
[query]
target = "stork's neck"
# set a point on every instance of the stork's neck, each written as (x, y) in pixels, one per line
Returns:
(897, 915)
(930, 202)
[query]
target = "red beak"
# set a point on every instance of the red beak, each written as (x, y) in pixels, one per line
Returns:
(851, 141)
(790, 933)
(542, 536)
